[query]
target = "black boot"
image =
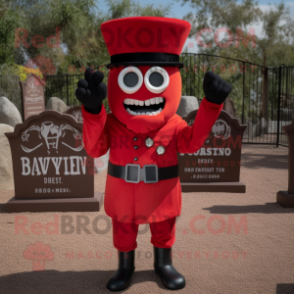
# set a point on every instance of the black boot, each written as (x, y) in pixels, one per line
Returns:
(122, 277)
(164, 269)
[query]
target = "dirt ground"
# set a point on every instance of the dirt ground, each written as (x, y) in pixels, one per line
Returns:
(225, 243)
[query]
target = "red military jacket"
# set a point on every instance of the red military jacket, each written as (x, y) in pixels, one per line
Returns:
(145, 202)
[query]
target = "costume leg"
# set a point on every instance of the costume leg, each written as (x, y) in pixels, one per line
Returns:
(124, 240)
(163, 233)
(163, 237)
(124, 235)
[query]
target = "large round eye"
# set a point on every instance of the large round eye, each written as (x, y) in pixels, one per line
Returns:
(130, 79)
(156, 79)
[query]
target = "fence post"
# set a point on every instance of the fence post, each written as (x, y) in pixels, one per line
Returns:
(279, 106)
(286, 198)
(67, 89)
(265, 103)
(243, 93)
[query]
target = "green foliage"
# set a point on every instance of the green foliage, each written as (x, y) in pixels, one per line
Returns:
(76, 23)
(10, 19)
(81, 42)
(274, 47)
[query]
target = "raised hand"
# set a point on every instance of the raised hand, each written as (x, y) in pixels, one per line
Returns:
(91, 91)
(216, 89)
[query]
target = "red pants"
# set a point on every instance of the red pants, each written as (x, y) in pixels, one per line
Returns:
(125, 234)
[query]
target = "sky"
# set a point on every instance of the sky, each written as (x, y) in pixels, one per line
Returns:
(177, 10)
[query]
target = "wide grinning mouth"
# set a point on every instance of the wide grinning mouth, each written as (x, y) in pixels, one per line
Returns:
(151, 106)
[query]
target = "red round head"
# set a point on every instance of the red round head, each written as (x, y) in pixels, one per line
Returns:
(144, 97)
(144, 84)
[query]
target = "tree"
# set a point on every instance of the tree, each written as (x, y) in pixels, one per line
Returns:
(10, 18)
(60, 36)
(238, 20)
(78, 24)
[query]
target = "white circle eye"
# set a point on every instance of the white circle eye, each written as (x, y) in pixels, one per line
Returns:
(130, 79)
(156, 79)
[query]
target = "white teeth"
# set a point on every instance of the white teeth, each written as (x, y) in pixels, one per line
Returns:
(131, 112)
(153, 100)
(148, 102)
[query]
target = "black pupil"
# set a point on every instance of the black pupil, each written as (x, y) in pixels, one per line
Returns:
(156, 79)
(131, 79)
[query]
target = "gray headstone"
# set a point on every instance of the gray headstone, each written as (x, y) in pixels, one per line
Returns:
(56, 104)
(9, 114)
(101, 163)
(187, 104)
(229, 107)
(6, 170)
(249, 130)
(261, 127)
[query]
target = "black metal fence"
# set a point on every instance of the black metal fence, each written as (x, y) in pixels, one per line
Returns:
(10, 88)
(64, 86)
(262, 97)
(283, 101)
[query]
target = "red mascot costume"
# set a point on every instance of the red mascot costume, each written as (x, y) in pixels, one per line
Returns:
(144, 134)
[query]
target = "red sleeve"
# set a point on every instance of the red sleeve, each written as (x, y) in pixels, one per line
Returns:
(191, 139)
(95, 135)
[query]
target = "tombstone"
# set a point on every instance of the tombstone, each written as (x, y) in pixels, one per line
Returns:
(187, 104)
(215, 167)
(229, 107)
(52, 171)
(33, 101)
(286, 198)
(76, 112)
